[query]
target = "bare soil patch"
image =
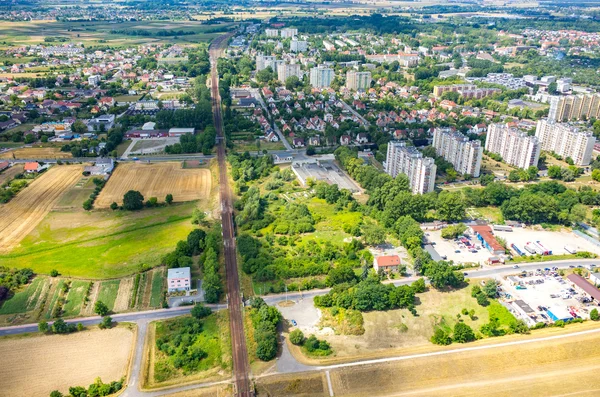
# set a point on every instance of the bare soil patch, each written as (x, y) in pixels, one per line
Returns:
(36, 153)
(123, 295)
(40, 364)
(23, 213)
(156, 180)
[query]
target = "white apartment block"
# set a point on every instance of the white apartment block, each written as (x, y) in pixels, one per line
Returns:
(289, 32)
(574, 107)
(358, 81)
(272, 32)
(456, 148)
(328, 46)
(515, 146)
(566, 140)
(298, 45)
(321, 76)
(285, 71)
(94, 80)
(265, 61)
(402, 159)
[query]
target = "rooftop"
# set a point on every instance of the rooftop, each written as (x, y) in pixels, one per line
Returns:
(179, 272)
(389, 260)
(582, 283)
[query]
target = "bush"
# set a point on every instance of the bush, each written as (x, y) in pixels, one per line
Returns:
(594, 316)
(106, 323)
(463, 333)
(297, 337)
(441, 337)
(114, 206)
(482, 299)
(88, 204)
(43, 327)
(200, 311)
(100, 308)
(54, 273)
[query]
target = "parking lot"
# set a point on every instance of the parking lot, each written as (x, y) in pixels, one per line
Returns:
(554, 241)
(543, 296)
(326, 171)
(457, 251)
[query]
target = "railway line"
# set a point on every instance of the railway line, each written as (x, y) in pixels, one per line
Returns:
(241, 368)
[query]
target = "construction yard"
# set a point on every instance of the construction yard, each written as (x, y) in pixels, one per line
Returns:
(556, 241)
(326, 171)
(25, 211)
(57, 362)
(156, 180)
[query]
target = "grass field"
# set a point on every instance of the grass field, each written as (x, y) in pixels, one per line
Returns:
(53, 298)
(73, 198)
(75, 298)
(101, 244)
(25, 299)
(156, 180)
(40, 364)
(36, 153)
(108, 293)
(245, 146)
(214, 340)
(24, 212)
(10, 173)
(156, 294)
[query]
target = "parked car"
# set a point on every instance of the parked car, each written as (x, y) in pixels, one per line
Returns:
(515, 266)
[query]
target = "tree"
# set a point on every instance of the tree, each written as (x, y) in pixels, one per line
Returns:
(596, 174)
(61, 327)
(297, 337)
(453, 231)
(463, 333)
(441, 275)
(533, 172)
(198, 216)
(514, 176)
(88, 204)
(79, 127)
(373, 234)
(200, 311)
(553, 88)
(43, 327)
(169, 198)
(133, 200)
(555, 172)
(486, 179)
(482, 299)
(450, 206)
(152, 202)
(490, 288)
(594, 316)
(54, 273)
(56, 393)
(29, 138)
(106, 323)
(114, 206)
(100, 308)
(441, 337)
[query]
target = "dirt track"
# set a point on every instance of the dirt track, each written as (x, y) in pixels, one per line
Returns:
(28, 208)
(155, 180)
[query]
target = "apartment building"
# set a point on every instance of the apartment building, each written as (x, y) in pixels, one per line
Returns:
(465, 90)
(566, 140)
(298, 45)
(358, 81)
(289, 32)
(515, 146)
(321, 76)
(402, 159)
(285, 71)
(574, 107)
(457, 149)
(265, 61)
(272, 32)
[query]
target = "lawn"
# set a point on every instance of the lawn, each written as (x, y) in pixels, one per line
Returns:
(108, 293)
(158, 278)
(75, 298)
(102, 244)
(25, 299)
(250, 146)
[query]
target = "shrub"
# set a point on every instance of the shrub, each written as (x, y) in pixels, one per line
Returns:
(441, 337)
(463, 333)
(106, 323)
(594, 316)
(200, 311)
(297, 337)
(54, 273)
(482, 299)
(114, 206)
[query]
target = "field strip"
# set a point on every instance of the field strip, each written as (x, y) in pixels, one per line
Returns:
(454, 351)
(77, 242)
(24, 212)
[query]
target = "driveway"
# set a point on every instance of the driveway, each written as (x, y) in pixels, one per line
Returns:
(177, 301)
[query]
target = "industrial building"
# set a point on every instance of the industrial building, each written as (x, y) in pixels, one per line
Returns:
(485, 235)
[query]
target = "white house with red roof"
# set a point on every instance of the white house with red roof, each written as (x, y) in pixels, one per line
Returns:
(388, 263)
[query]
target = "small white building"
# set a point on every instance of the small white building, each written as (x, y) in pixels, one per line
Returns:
(149, 126)
(176, 132)
(179, 279)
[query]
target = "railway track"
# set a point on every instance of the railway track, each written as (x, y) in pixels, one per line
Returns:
(241, 367)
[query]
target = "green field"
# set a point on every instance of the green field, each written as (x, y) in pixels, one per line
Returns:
(157, 288)
(105, 33)
(24, 300)
(102, 244)
(50, 304)
(108, 293)
(250, 146)
(75, 298)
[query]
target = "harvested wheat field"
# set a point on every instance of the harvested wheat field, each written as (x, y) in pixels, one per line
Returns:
(155, 180)
(40, 364)
(10, 173)
(36, 153)
(27, 209)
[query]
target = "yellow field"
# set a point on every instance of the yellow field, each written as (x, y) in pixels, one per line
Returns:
(28, 208)
(156, 180)
(34, 366)
(36, 153)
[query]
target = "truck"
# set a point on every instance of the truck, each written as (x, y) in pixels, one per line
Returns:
(546, 250)
(570, 249)
(517, 250)
(533, 248)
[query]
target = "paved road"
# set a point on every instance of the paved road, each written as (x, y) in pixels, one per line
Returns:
(354, 112)
(275, 126)
(241, 366)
